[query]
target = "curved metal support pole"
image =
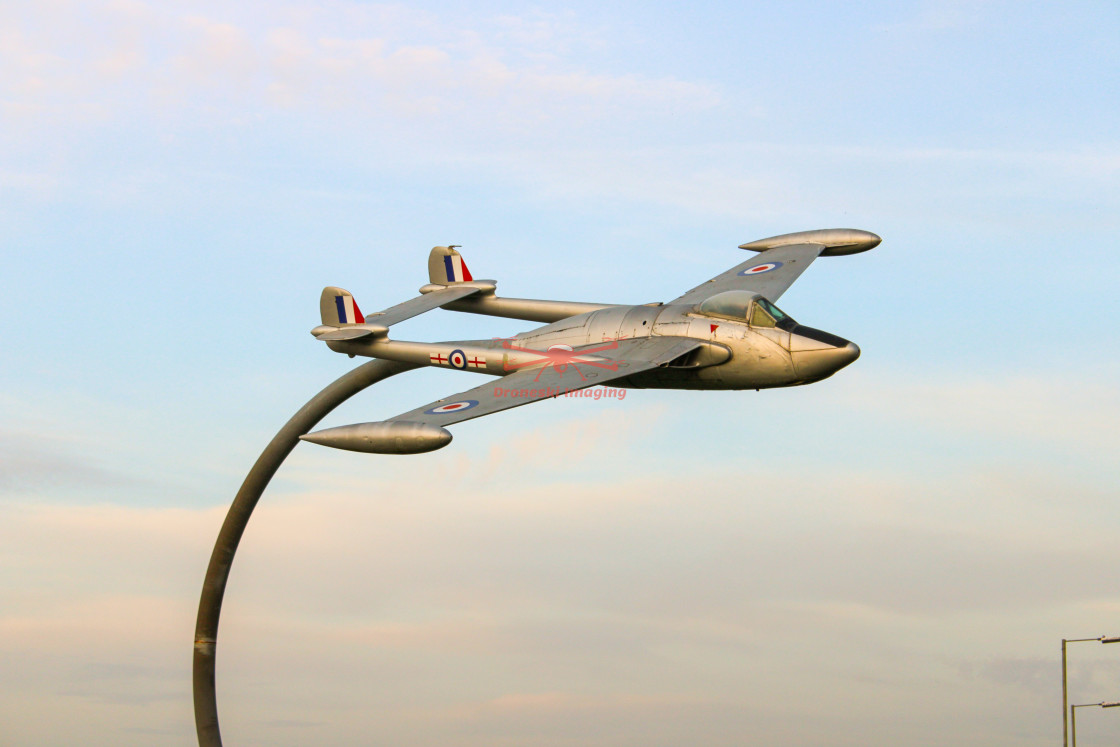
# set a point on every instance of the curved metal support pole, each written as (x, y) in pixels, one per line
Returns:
(217, 573)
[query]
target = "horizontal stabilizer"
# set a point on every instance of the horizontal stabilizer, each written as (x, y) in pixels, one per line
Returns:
(326, 332)
(420, 304)
(342, 320)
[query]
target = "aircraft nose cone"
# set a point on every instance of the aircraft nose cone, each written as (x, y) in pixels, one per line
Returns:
(847, 354)
(823, 361)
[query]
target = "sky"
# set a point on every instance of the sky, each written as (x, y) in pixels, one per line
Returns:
(891, 556)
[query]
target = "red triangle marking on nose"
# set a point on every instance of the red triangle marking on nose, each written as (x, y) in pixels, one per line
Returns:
(714, 327)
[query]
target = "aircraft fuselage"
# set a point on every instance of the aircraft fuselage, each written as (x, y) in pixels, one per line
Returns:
(737, 355)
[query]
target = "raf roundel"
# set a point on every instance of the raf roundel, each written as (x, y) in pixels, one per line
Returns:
(457, 359)
(465, 404)
(762, 268)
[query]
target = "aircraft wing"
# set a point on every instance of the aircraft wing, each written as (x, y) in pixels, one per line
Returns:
(562, 371)
(769, 273)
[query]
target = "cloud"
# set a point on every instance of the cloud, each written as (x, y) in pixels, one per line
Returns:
(36, 464)
(376, 62)
(1008, 407)
(645, 598)
(513, 100)
(1036, 675)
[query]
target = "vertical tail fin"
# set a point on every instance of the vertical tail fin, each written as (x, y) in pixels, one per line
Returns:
(338, 308)
(446, 266)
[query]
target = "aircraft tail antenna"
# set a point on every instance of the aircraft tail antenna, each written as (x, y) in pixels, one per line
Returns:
(338, 308)
(446, 266)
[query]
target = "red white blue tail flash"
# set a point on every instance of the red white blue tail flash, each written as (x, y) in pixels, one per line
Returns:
(457, 271)
(348, 311)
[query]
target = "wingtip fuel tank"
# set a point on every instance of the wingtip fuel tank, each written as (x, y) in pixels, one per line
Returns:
(393, 437)
(836, 241)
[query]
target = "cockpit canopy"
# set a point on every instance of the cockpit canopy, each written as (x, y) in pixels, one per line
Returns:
(745, 306)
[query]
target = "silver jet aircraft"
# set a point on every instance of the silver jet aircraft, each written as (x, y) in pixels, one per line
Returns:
(724, 334)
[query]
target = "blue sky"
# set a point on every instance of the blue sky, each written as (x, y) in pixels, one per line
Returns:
(890, 556)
